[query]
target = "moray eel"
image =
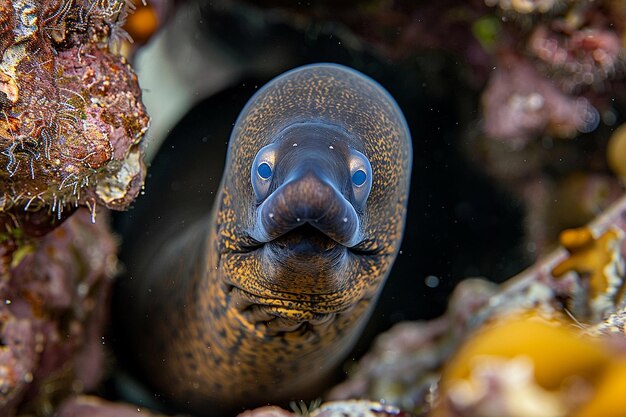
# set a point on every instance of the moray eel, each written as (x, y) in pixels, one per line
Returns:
(260, 300)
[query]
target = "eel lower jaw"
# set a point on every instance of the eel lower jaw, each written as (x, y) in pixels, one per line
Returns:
(279, 315)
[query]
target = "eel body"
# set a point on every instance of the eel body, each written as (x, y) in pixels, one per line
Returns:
(260, 299)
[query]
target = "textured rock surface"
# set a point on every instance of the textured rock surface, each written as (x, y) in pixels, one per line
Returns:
(86, 406)
(580, 285)
(52, 315)
(71, 116)
(71, 122)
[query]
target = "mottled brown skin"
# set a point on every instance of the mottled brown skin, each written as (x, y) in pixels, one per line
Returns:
(219, 321)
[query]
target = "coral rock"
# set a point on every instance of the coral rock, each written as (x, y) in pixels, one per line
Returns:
(519, 105)
(70, 108)
(577, 58)
(524, 6)
(533, 346)
(86, 406)
(52, 315)
(600, 261)
(350, 408)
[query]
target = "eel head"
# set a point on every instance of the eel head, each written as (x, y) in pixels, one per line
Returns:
(320, 218)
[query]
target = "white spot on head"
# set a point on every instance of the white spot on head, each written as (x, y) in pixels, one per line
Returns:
(271, 215)
(297, 219)
(331, 147)
(345, 220)
(294, 145)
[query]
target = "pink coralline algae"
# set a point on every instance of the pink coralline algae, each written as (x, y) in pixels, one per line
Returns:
(52, 315)
(86, 406)
(17, 358)
(519, 104)
(71, 117)
(577, 59)
(556, 63)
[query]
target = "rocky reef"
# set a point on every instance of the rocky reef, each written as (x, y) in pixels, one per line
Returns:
(498, 346)
(53, 313)
(548, 126)
(71, 123)
(72, 117)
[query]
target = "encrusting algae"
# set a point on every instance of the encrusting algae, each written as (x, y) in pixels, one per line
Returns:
(71, 117)
(71, 124)
(597, 260)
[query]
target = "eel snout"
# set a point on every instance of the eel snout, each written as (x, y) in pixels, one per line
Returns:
(307, 198)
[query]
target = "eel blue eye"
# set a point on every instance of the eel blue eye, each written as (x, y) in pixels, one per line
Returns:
(264, 170)
(359, 177)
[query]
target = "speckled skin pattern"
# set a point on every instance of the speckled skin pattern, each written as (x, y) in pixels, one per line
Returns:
(216, 323)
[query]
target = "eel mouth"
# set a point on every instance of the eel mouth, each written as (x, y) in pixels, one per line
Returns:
(307, 242)
(306, 289)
